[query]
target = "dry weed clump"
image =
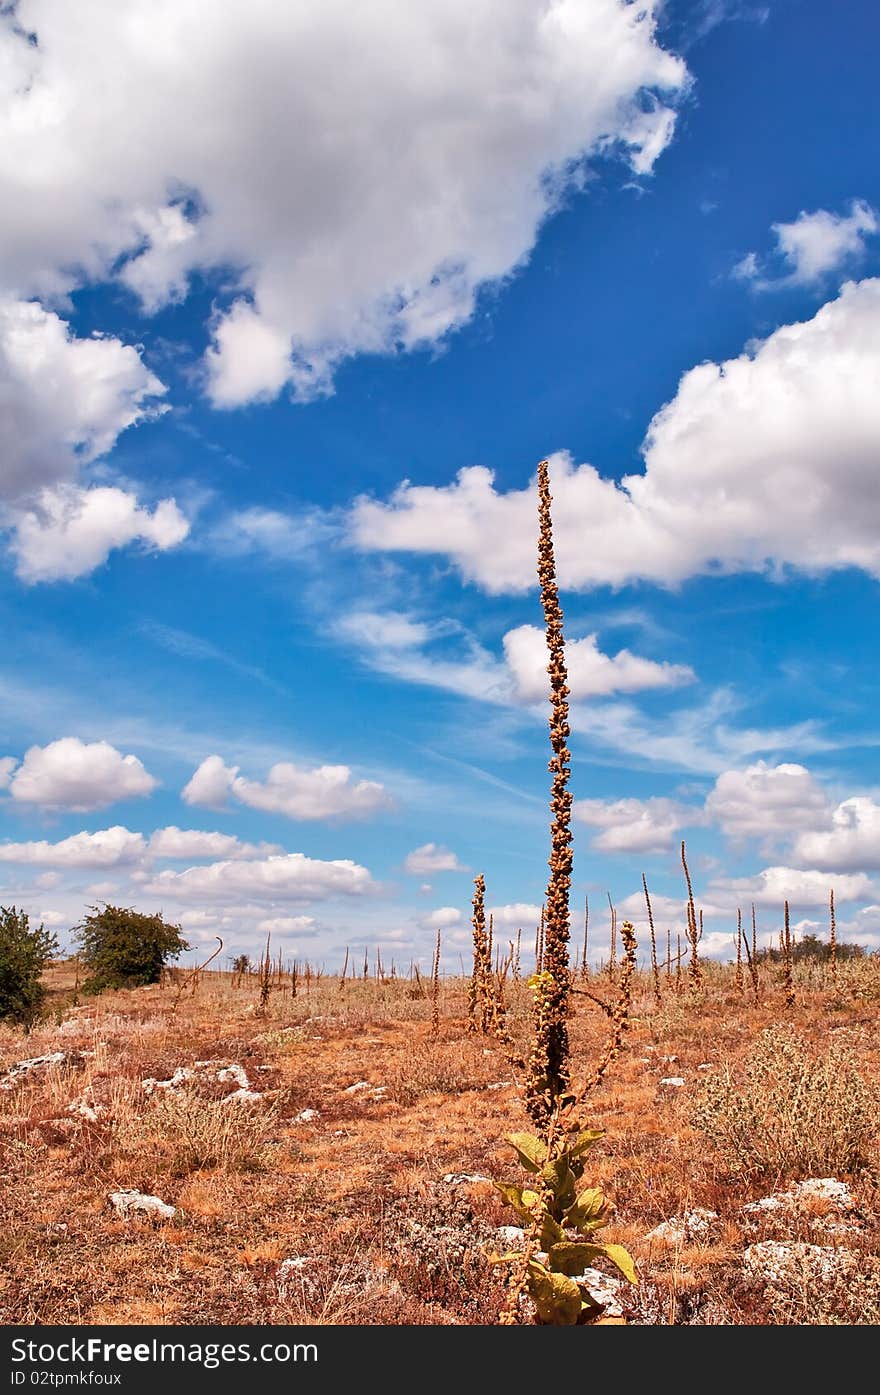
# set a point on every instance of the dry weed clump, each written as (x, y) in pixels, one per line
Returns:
(179, 1132)
(791, 1110)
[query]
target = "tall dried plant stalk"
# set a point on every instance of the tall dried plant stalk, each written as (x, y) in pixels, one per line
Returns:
(668, 954)
(678, 983)
(655, 971)
(539, 943)
(787, 960)
(265, 976)
(612, 957)
(620, 1013)
(833, 941)
(479, 992)
(435, 990)
(549, 1075)
(695, 971)
(344, 975)
(517, 956)
(584, 969)
(738, 981)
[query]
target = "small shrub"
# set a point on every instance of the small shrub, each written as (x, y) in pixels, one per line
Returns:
(794, 1110)
(24, 954)
(181, 1132)
(123, 948)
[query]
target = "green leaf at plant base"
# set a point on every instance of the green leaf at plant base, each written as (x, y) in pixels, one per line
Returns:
(573, 1257)
(551, 1232)
(556, 1297)
(585, 1140)
(531, 1152)
(590, 1211)
(520, 1198)
(560, 1180)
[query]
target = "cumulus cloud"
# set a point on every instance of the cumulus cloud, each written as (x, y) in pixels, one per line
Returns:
(429, 858)
(287, 877)
(63, 400)
(802, 888)
(850, 842)
(517, 914)
(419, 652)
(302, 925)
(761, 462)
(325, 792)
(590, 672)
(813, 246)
(7, 765)
(442, 918)
(766, 801)
(381, 201)
(182, 843)
(109, 847)
(79, 776)
(634, 825)
(70, 531)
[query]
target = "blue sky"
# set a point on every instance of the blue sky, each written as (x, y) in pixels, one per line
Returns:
(273, 663)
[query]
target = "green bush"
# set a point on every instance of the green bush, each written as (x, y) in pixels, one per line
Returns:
(124, 948)
(24, 954)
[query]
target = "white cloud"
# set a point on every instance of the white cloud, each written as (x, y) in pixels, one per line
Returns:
(851, 842)
(766, 801)
(442, 918)
(590, 672)
(68, 531)
(63, 400)
(192, 843)
(288, 877)
(429, 858)
(210, 784)
(287, 925)
(814, 245)
(109, 847)
(325, 792)
(788, 432)
(79, 776)
(634, 825)
(399, 645)
(406, 155)
(516, 915)
(802, 888)
(7, 765)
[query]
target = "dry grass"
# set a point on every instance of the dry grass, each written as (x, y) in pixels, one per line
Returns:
(357, 1191)
(791, 1110)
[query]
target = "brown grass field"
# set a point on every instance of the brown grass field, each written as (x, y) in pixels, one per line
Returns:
(357, 1195)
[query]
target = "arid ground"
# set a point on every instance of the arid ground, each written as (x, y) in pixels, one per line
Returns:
(349, 1181)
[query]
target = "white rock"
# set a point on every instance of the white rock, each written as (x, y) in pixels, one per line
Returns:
(674, 1082)
(242, 1096)
(511, 1235)
(775, 1262)
(180, 1077)
(499, 1085)
(603, 1289)
(357, 1087)
(306, 1116)
(236, 1073)
(705, 1065)
(827, 1189)
(90, 1112)
(457, 1179)
(24, 1068)
(689, 1228)
(125, 1202)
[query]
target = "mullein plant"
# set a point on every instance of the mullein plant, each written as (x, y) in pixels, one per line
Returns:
(559, 1216)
